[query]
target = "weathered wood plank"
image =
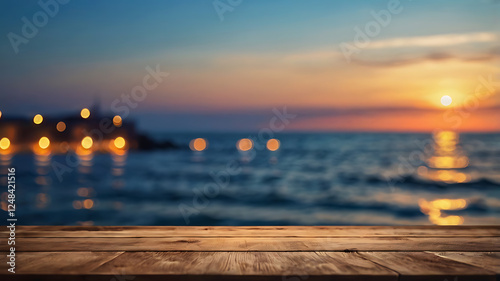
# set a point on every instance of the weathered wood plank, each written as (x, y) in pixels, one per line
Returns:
(309, 265)
(221, 265)
(270, 231)
(487, 260)
(57, 262)
(257, 244)
(218, 277)
(255, 253)
(427, 266)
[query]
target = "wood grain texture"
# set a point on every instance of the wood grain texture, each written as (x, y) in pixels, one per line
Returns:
(283, 264)
(487, 260)
(257, 244)
(427, 266)
(254, 253)
(58, 262)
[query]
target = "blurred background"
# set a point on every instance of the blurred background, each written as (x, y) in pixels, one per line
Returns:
(251, 112)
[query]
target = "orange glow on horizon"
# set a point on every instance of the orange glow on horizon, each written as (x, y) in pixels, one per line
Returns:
(425, 122)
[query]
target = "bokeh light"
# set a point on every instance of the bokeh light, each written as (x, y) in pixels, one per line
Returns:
(446, 100)
(85, 113)
(273, 144)
(0, 114)
(61, 126)
(88, 203)
(117, 121)
(77, 204)
(119, 142)
(245, 144)
(4, 143)
(87, 142)
(83, 192)
(198, 144)
(38, 119)
(44, 142)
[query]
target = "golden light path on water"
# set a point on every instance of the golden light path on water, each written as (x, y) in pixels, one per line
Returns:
(448, 161)
(446, 165)
(434, 210)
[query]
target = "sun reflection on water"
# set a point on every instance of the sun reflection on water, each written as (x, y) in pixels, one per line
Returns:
(448, 162)
(447, 165)
(434, 210)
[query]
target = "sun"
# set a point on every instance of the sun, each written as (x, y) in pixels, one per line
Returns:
(446, 100)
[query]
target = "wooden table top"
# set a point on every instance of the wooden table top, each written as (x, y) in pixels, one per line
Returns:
(292, 253)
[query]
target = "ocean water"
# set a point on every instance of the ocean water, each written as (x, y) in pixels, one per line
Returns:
(313, 179)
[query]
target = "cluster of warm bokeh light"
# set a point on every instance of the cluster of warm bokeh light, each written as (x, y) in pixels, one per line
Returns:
(119, 143)
(84, 148)
(245, 144)
(83, 204)
(447, 162)
(434, 210)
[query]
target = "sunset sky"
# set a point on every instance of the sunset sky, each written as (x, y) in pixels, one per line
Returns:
(228, 75)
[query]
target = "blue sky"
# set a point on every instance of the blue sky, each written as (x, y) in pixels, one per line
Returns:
(264, 54)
